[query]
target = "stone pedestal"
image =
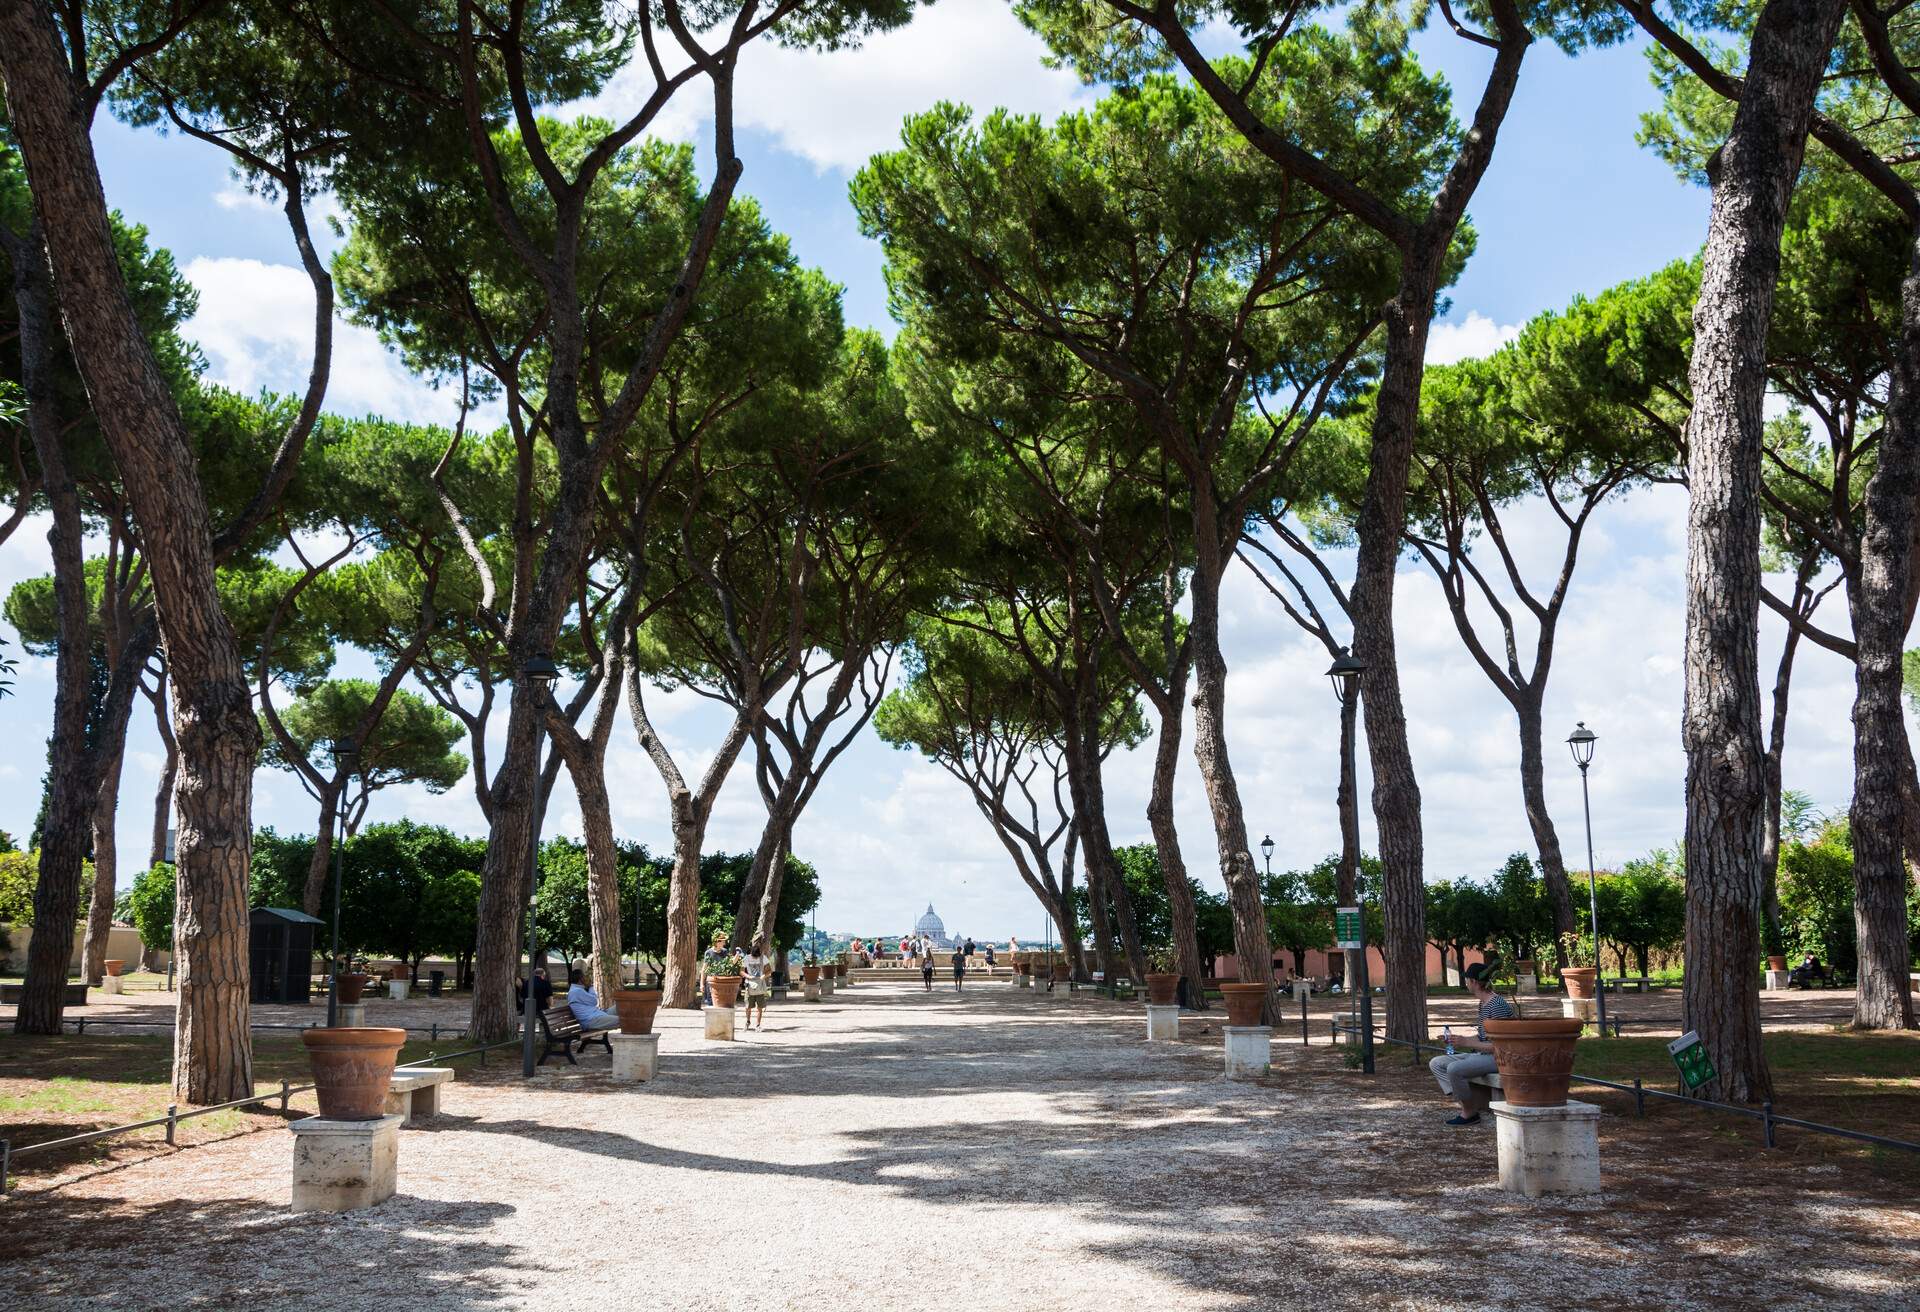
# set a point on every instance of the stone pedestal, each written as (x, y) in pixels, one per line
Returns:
(1302, 990)
(339, 1166)
(1163, 1022)
(111, 983)
(1022, 981)
(719, 1022)
(1578, 1008)
(1776, 980)
(1549, 1150)
(810, 990)
(826, 987)
(636, 1057)
(397, 989)
(353, 1015)
(1528, 985)
(1249, 1051)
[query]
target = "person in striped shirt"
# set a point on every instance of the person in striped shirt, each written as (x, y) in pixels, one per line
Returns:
(1476, 1056)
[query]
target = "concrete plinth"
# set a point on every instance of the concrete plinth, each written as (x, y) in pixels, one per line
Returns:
(1249, 1051)
(1578, 1008)
(636, 1057)
(1022, 981)
(1549, 1150)
(826, 987)
(353, 1015)
(1163, 1022)
(339, 1166)
(1302, 990)
(1529, 985)
(719, 1022)
(1776, 980)
(397, 989)
(111, 983)
(810, 990)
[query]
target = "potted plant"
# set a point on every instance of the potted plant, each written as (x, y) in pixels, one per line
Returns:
(1580, 981)
(352, 984)
(810, 970)
(398, 970)
(1244, 1002)
(1535, 1058)
(1062, 971)
(724, 976)
(1527, 966)
(1023, 964)
(352, 1068)
(636, 1008)
(114, 966)
(1775, 961)
(840, 965)
(1163, 977)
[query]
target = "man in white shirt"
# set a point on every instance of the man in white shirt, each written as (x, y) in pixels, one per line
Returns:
(586, 1007)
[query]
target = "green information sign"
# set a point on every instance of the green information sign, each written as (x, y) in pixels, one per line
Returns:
(1346, 927)
(1690, 1055)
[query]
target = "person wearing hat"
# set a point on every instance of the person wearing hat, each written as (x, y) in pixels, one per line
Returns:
(1455, 1069)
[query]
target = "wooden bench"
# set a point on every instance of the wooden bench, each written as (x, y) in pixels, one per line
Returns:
(414, 1091)
(564, 1034)
(76, 994)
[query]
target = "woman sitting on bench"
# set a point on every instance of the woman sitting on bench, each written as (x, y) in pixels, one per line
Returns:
(1456, 1069)
(586, 1006)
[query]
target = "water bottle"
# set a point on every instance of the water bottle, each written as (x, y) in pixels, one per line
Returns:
(1446, 1036)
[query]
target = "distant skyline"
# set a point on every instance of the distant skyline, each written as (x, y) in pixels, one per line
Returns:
(1571, 205)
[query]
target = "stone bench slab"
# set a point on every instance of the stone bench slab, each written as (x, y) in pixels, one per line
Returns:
(415, 1092)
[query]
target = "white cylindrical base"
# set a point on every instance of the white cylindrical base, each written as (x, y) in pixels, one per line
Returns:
(1249, 1051)
(719, 1022)
(1529, 985)
(636, 1057)
(397, 989)
(340, 1166)
(1776, 980)
(826, 987)
(1163, 1022)
(352, 1015)
(111, 984)
(1549, 1150)
(1022, 981)
(810, 990)
(1578, 1008)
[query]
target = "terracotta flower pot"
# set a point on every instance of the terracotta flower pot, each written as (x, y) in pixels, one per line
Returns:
(1062, 972)
(114, 967)
(1526, 968)
(810, 974)
(1023, 967)
(1774, 962)
(1162, 988)
(398, 970)
(636, 1008)
(352, 1069)
(352, 985)
(1244, 1002)
(1579, 980)
(839, 970)
(1535, 1059)
(726, 989)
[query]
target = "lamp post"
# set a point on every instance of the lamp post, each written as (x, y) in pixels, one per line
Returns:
(345, 756)
(1580, 742)
(1266, 850)
(1345, 674)
(537, 675)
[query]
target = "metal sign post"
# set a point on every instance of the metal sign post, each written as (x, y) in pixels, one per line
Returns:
(1350, 934)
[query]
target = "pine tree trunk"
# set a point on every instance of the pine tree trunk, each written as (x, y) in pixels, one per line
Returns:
(683, 906)
(1250, 942)
(321, 865)
(1770, 840)
(1546, 839)
(1383, 513)
(749, 917)
(504, 883)
(1884, 998)
(1098, 840)
(1752, 179)
(603, 877)
(776, 883)
(1166, 841)
(106, 866)
(163, 791)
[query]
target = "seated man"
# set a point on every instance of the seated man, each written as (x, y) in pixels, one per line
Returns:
(1807, 972)
(586, 1007)
(542, 992)
(1455, 1070)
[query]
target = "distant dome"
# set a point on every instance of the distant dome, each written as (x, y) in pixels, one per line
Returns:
(930, 924)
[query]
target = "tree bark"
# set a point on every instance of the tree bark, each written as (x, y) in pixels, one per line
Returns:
(1752, 177)
(106, 867)
(163, 791)
(1166, 841)
(1776, 750)
(1546, 839)
(1884, 998)
(320, 867)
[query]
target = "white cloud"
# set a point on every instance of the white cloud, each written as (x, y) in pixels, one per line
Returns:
(1450, 343)
(255, 324)
(836, 109)
(235, 197)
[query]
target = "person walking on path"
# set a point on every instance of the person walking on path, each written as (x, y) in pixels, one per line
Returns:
(1455, 1070)
(926, 966)
(757, 967)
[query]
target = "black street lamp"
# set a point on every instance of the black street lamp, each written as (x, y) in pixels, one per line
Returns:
(345, 756)
(1580, 742)
(1345, 674)
(538, 675)
(1266, 850)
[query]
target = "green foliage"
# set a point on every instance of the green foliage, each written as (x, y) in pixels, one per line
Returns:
(411, 742)
(19, 875)
(1816, 897)
(1643, 908)
(1522, 912)
(150, 906)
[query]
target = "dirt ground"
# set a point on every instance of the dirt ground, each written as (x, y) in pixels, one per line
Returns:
(996, 1148)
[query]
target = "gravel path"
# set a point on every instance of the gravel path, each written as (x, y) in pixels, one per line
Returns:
(999, 1149)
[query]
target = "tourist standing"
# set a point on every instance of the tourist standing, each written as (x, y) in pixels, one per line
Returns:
(959, 968)
(926, 965)
(756, 967)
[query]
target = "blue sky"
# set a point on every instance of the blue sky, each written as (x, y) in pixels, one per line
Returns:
(1571, 205)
